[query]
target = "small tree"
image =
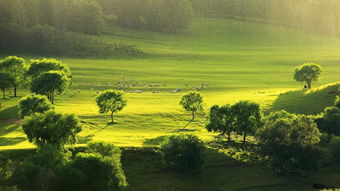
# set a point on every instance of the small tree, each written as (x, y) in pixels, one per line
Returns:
(182, 152)
(6, 81)
(50, 83)
(247, 118)
(39, 67)
(308, 73)
(111, 101)
(16, 67)
(221, 119)
(192, 102)
(51, 128)
(33, 103)
(289, 142)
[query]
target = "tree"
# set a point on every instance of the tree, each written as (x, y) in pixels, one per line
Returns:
(329, 122)
(221, 119)
(182, 152)
(192, 102)
(111, 101)
(34, 103)
(6, 81)
(247, 118)
(289, 142)
(39, 67)
(337, 102)
(17, 68)
(308, 73)
(51, 128)
(50, 83)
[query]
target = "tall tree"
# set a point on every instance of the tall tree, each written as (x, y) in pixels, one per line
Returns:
(37, 67)
(308, 73)
(17, 68)
(50, 83)
(111, 101)
(248, 118)
(221, 119)
(192, 102)
(6, 81)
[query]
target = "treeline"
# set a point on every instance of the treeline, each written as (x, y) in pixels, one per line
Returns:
(312, 15)
(55, 28)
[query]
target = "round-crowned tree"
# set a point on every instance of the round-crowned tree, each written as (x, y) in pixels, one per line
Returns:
(221, 120)
(34, 103)
(50, 83)
(308, 73)
(6, 81)
(192, 102)
(39, 67)
(111, 101)
(51, 128)
(289, 142)
(16, 67)
(182, 152)
(247, 118)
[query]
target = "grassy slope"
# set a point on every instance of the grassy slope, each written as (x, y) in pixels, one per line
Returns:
(237, 60)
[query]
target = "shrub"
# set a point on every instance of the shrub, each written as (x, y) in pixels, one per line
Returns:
(335, 150)
(33, 103)
(182, 152)
(92, 172)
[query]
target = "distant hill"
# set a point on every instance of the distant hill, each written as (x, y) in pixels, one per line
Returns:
(312, 101)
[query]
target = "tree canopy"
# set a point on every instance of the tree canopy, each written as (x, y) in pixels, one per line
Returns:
(192, 102)
(308, 73)
(6, 81)
(51, 128)
(111, 101)
(38, 67)
(50, 83)
(33, 103)
(17, 68)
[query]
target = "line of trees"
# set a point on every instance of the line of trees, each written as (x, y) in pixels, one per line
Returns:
(312, 15)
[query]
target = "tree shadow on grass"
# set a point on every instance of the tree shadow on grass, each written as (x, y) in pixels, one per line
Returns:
(155, 141)
(85, 139)
(9, 112)
(8, 128)
(8, 141)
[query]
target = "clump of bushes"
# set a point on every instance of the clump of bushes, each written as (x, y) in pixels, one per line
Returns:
(54, 168)
(182, 152)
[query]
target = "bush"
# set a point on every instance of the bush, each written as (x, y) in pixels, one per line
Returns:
(92, 172)
(33, 103)
(182, 152)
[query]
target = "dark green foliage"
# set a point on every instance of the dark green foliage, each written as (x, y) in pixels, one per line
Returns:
(335, 150)
(6, 81)
(37, 67)
(247, 118)
(104, 149)
(33, 103)
(192, 102)
(39, 171)
(337, 102)
(329, 122)
(50, 83)
(289, 142)
(51, 128)
(182, 152)
(92, 172)
(111, 101)
(16, 67)
(308, 73)
(221, 120)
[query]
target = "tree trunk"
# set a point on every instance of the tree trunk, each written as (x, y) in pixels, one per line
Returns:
(229, 137)
(3, 93)
(309, 84)
(193, 115)
(15, 91)
(112, 117)
(244, 138)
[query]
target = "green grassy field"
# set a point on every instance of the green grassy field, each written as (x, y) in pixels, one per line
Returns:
(227, 60)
